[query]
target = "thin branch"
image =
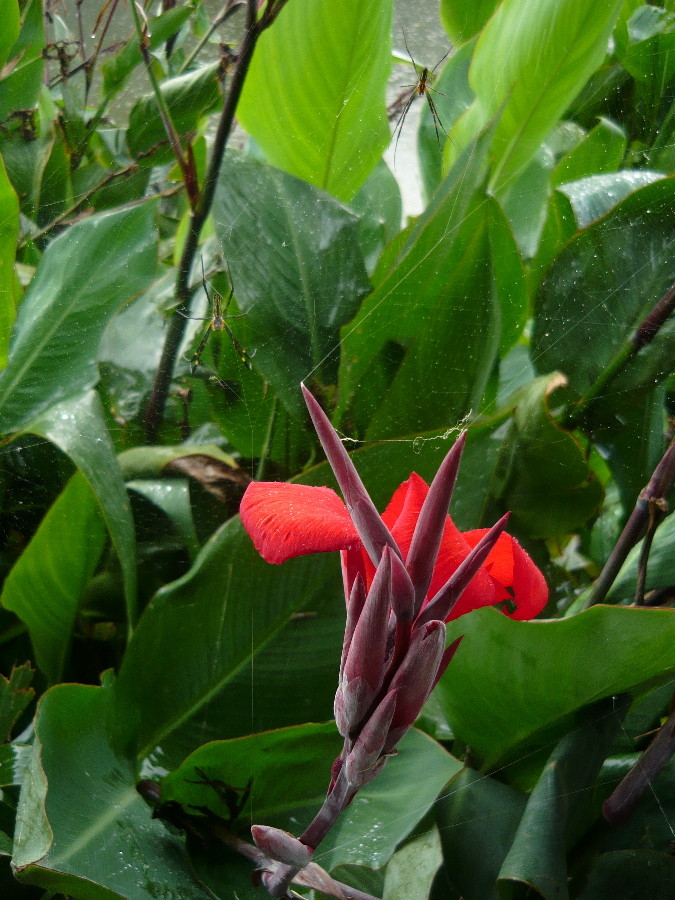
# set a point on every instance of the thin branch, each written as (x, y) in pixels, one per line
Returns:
(650, 501)
(154, 412)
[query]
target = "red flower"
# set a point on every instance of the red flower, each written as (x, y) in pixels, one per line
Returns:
(287, 520)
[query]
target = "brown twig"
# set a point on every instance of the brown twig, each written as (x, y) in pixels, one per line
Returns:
(254, 27)
(650, 507)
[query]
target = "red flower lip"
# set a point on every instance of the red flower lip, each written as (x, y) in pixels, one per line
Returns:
(287, 520)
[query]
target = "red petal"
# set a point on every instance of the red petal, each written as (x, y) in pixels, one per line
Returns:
(286, 520)
(403, 511)
(453, 551)
(514, 570)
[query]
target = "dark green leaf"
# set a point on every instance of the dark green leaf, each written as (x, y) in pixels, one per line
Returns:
(553, 668)
(47, 583)
(199, 632)
(411, 869)
(77, 427)
(20, 88)
(82, 828)
(305, 279)
(314, 95)
(15, 695)
(9, 287)
(73, 294)
(543, 476)
(601, 151)
(599, 289)
(631, 875)
(434, 304)
(291, 770)
(660, 568)
(477, 819)
(560, 807)
(188, 97)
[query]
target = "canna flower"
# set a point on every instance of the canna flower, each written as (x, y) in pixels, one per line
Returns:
(406, 573)
(287, 520)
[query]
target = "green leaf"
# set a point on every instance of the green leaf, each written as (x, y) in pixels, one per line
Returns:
(631, 873)
(20, 88)
(188, 98)
(9, 287)
(82, 828)
(544, 477)
(291, 768)
(594, 196)
(77, 427)
(554, 668)
(14, 757)
(648, 52)
(660, 568)
(601, 275)
(9, 12)
(15, 695)
(161, 28)
(47, 583)
(305, 279)
(173, 498)
(463, 20)
(531, 60)
(314, 94)
(477, 818)
(199, 632)
(75, 291)
(433, 304)
(411, 869)
(560, 807)
(600, 152)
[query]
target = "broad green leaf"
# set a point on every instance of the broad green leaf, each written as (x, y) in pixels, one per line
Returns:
(600, 152)
(48, 581)
(303, 282)
(314, 94)
(553, 668)
(525, 201)
(411, 870)
(77, 427)
(531, 60)
(82, 828)
(544, 477)
(9, 13)
(201, 631)
(188, 97)
(290, 769)
(463, 20)
(15, 695)
(20, 87)
(660, 567)
(434, 304)
(477, 818)
(592, 197)
(648, 51)
(378, 205)
(638, 873)
(9, 232)
(172, 496)
(599, 289)
(84, 276)
(161, 28)
(561, 806)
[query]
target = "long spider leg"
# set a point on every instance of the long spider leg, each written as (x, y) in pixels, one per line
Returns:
(442, 59)
(399, 124)
(197, 355)
(196, 318)
(437, 120)
(243, 355)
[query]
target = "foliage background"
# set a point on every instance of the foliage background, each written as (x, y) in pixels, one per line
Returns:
(512, 305)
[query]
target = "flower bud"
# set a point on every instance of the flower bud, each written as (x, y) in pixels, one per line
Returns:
(362, 763)
(281, 846)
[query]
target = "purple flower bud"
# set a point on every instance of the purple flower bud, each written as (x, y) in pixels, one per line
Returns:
(353, 699)
(402, 592)
(362, 763)
(357, 598)
(281, 846)
(372, 530)
(415, 678)
(426, 539)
